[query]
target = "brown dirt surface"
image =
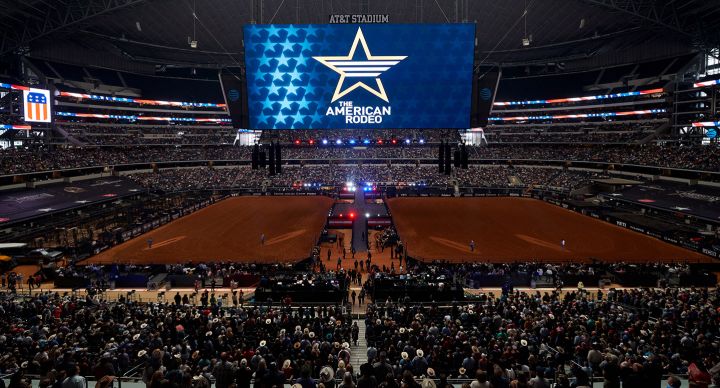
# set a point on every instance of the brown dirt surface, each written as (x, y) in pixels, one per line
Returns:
(230, 231)
(519, 229)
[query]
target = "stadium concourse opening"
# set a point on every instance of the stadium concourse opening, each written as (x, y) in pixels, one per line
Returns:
(507, 229)
(231, 231)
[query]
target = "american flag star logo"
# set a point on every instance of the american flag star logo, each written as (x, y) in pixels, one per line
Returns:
(37, 108)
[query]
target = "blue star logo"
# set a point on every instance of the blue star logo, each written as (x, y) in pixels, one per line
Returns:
(280, 119)
(310, 31)
(285, 104)
(291, 89)
(283, 60)
(273, 31)
(274, 89)
(268, 104)
(299, 118)
(295, 75)
(292, 30)
(316, 118)
(288, 46)
(278, 75)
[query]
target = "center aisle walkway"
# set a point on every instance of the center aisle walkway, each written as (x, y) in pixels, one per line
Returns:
(360, 224)
(358, 354)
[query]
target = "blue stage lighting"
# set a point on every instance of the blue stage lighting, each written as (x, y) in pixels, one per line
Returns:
(324, 141)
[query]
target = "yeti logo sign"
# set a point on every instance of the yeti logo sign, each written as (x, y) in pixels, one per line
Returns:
(37, 105)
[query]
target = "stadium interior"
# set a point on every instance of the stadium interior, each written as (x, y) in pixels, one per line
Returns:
(359, 194)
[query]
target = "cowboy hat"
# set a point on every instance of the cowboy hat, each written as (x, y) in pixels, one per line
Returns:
(326, 374)
(462, 370)
(404, 355)
(523, 342)
(142, 353)
(263, 343)
(420, 353)
(136, 337)
(431, 372)
(345, 345)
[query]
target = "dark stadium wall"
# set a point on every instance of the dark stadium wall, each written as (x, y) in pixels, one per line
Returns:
(188, 88)
(545, 81)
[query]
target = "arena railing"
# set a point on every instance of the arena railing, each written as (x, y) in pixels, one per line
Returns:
(137, 382)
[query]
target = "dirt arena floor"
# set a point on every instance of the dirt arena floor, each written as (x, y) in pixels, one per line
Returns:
(512, 229)
(230, 231)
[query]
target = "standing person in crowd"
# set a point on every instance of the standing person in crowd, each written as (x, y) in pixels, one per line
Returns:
(73, 379)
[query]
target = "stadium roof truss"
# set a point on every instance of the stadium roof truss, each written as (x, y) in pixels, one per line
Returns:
(34, 19)
(157, 31)
(696, 19)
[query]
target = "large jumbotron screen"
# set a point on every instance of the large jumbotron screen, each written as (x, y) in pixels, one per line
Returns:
(359, 75)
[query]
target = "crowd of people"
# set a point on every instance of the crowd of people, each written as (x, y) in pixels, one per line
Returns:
(317, 176)
(18, 161)
(633, 337)
(628, 337)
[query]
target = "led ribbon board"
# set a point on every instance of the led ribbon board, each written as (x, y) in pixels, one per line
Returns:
(359, 75)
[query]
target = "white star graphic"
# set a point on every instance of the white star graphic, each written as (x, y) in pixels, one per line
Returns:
(373, 66)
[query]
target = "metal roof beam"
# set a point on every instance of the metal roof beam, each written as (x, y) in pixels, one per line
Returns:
(646, 10)
(60, 17)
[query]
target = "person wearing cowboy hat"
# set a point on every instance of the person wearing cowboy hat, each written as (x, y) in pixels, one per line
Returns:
(462, 373)
(419, 363)
(405, 362)
(327, 377)
(243, 374)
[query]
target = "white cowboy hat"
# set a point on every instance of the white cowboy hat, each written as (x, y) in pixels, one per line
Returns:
(312, 334)
(523, 342)
(208, 334)
(420, 353)
(142, 353)
(404, 355)
(136, 337)
(345, 345)
(431, 372)
(263, 343)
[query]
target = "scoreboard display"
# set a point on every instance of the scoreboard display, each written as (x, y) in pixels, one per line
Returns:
(359, 76)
